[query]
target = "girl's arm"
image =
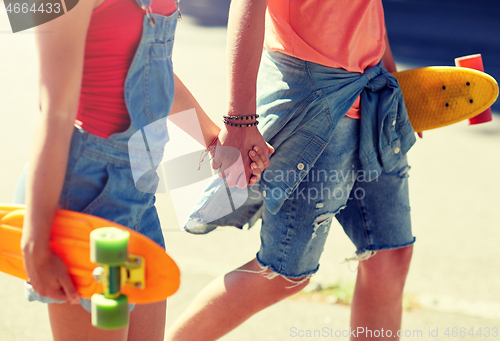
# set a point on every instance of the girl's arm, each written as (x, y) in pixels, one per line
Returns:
(184, 100)
(61, 44)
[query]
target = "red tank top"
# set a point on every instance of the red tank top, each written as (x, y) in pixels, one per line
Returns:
(112, 38)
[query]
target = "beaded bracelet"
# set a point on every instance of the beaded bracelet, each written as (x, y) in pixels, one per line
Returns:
(241, 125)
(250, 117)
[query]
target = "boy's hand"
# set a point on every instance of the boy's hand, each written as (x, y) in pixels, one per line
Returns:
(234, 162)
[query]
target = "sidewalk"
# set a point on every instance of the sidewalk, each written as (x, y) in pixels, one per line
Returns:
(454, 195)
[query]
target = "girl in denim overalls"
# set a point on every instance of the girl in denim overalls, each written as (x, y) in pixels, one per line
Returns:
(73, 169)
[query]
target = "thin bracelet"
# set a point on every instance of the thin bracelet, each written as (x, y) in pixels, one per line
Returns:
(214, 142)
(241, 125)
(207, 151)
(250, 117)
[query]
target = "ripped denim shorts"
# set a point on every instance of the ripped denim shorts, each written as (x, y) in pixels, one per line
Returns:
(375, 215)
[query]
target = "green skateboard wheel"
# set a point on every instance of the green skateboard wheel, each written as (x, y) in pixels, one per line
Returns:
(108, 246)
(109, 314)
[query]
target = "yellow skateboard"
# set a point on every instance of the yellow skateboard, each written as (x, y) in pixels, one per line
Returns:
(438, 96)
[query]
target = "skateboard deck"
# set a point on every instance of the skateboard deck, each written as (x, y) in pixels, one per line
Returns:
(70, 240)
(438, 96)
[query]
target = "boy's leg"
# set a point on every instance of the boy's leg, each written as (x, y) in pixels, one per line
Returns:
(377, 218)
(377, 301)
(230, 300)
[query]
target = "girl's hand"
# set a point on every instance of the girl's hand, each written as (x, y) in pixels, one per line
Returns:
(257, 165)
(48, 275)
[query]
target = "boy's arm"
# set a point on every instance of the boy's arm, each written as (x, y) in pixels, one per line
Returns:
(244, 49)
(387, 58)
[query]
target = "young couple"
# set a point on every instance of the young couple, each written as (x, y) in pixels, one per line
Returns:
(326, 101)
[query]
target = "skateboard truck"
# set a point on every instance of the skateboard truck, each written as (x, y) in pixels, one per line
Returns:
(132, 273)
(109, 249)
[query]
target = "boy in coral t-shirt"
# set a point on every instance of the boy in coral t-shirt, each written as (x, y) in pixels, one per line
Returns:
(320, 59)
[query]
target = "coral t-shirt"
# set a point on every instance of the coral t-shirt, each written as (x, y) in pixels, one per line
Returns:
(346, 34)
(113, 35)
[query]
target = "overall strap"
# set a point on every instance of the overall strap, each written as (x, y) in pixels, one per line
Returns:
(144, 3)
(146, 6)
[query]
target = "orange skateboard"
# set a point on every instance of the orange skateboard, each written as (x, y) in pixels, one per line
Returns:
(128, 267)
(441, 95)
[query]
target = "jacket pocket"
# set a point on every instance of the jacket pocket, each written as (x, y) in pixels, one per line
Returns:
(289, 165)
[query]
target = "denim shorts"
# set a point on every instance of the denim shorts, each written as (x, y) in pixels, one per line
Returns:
(375, 215)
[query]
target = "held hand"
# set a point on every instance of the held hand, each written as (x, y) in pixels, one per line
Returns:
(49, 276)
(234, 163)
(257, 164)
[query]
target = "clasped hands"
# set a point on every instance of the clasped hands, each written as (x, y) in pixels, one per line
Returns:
(241, 155)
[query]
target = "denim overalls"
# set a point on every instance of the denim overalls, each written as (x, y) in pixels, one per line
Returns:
(99, 179)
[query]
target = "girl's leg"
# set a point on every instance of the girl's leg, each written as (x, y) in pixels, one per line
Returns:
(72, 322)
(147, 322)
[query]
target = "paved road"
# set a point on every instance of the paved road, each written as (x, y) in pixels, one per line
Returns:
(454, 195)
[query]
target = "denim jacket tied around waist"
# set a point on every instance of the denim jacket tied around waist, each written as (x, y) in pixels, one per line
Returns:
(386, 136)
